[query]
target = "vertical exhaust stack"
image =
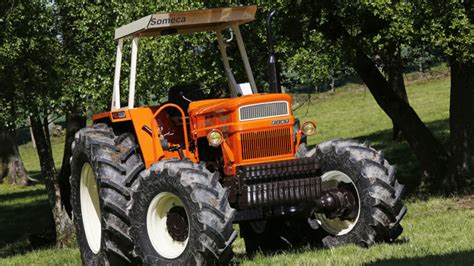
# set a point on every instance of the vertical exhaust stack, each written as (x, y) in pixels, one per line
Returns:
(273, 68)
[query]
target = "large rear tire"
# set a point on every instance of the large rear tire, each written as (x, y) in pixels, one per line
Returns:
(372, 180)
(181, 215)
(113, 163)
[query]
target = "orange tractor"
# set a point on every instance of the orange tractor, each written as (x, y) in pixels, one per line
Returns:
(165, 184)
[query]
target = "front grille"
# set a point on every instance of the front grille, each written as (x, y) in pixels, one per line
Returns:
(266, 143)
(263, 110)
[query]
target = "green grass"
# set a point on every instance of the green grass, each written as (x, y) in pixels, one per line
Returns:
(30, 156)
(438, 231)
(47, 257)
(352, 111)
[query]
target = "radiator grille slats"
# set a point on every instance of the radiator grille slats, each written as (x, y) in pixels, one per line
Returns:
(266, 143)
(263, 110)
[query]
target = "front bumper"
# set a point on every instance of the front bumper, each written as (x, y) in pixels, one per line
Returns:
(279, 183)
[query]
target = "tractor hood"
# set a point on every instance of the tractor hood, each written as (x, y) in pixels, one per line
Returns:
(228, 105)
(247, 123)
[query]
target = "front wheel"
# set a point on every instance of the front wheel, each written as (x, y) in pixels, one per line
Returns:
(85, 200)
(180, 215)
(103, 167)
(370, 182)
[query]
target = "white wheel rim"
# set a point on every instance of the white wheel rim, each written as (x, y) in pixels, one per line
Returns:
(90, 208)
(337, 226)
(156, 219)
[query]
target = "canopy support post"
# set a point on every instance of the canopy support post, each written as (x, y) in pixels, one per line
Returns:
(133, 73)
(245, 59)
(116, 88)
(228, 71)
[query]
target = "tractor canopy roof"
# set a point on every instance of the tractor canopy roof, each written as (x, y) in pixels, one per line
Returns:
(187, 21)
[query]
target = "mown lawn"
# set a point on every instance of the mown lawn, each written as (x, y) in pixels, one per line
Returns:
(438, 231)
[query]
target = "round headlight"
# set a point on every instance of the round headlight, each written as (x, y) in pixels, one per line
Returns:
(215, 138)
(309, 128)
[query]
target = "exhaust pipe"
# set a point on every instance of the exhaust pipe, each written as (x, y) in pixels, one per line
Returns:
(273, 68)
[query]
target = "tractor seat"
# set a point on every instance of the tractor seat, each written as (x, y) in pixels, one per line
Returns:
(182, 94)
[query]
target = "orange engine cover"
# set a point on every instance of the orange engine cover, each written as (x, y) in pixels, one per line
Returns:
(257, 128)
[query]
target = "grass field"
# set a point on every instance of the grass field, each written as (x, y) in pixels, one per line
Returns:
(438, 231)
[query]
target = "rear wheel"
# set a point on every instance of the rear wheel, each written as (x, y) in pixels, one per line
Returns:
(370, 181)
(180, 215)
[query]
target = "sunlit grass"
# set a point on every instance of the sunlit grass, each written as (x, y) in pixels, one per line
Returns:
(352, 111)
(437, 232)
(30, 156)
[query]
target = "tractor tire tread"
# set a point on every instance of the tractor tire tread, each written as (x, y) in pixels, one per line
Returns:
(117, 160)
(212, 217)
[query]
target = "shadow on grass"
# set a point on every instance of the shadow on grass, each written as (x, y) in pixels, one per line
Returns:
(24, 227)
(36, 175)
(400, 153)
(240, 257)
(457, 258)
(21, 195)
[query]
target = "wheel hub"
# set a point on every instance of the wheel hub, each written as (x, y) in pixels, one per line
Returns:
(339, 203)
(338, 209)
(167, 225)
(177, 223)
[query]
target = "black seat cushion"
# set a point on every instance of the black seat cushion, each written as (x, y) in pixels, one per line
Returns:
(191, 92)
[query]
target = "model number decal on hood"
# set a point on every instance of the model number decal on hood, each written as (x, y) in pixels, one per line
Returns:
(280, 122)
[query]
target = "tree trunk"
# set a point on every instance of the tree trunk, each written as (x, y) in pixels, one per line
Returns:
(31, 133)
(11, 162)
(394, 70)
(333, 88)
(429, 151)
(74, 121)
(63, 224)
(427, 148)
(47, 132)
(420, 68)
(461, 120)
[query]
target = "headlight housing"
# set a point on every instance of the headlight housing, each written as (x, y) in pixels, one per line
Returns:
(215, 138)
(309, 128)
